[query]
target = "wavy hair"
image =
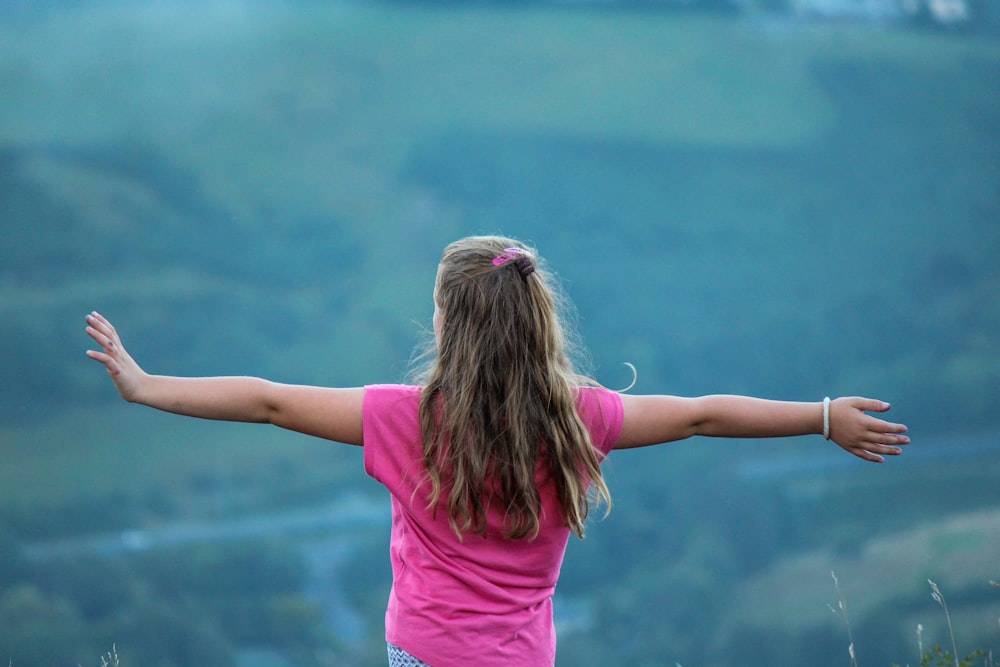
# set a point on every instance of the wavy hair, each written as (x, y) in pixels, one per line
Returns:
(500, 394)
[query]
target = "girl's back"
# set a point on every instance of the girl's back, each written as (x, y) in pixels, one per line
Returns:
(459, 597)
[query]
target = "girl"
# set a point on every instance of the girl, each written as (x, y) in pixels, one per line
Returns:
(494, 459)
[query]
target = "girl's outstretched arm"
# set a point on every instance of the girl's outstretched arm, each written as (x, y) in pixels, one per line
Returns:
(650, 420)
(334, 414)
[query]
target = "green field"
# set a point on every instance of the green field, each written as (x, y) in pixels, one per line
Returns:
(734, 204)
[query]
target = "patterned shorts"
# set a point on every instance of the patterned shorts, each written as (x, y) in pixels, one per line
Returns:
(400, 658)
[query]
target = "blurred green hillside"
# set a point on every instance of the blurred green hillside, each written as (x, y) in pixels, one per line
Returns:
(734, 205)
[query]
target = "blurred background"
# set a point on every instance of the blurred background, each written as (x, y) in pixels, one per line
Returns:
(784, 198)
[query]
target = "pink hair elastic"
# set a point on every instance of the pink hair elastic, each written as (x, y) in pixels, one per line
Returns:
(510, 255)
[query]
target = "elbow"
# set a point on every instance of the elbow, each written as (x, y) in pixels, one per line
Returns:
(705, 417)
(271, 411)
(266, 406)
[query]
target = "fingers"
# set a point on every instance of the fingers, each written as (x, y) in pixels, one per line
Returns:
(867, 455)
(869, 452)
(869, 404)
(101, 325)
(896, 439)
(892, 432)
(110, 364)
(865, 436)
(885, 449)
(884, 439)
(101, 339)
(875, 451)
(104, 334)
(102, 331)
(889, 427)
(883, 432)
(889, 434)
(893, 441)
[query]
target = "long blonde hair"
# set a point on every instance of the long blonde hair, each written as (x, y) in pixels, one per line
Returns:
(500, 394)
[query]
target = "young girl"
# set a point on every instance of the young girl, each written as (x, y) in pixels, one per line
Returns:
(495, 459)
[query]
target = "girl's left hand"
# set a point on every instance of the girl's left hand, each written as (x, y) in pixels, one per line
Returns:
(863, 435)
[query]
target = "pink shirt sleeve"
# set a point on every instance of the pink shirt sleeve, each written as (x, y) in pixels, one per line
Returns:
(602, 413)
(392, 426)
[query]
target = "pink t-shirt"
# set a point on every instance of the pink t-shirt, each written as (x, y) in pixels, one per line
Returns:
(486, 600)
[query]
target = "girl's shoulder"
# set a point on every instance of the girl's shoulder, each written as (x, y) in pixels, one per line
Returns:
(397, 389)
(602, 413)
(379, 396)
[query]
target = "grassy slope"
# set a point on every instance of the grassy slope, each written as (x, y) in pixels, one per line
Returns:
(319, 109)
(877, 584)
(319, 112)
(323, 111)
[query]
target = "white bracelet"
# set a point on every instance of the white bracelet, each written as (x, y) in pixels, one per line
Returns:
(826, 417)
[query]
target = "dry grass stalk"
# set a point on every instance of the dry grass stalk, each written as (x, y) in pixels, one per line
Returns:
(939, 598)
(842, 606)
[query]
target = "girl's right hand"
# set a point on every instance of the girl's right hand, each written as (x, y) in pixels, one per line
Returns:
(126, 374)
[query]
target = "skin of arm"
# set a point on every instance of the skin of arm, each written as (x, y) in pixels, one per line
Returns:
(652, 420)
(333, 414)
(336, 414)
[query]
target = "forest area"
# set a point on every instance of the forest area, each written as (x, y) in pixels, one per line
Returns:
(735, 202)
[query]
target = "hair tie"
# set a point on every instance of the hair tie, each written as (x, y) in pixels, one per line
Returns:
(522, 259)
